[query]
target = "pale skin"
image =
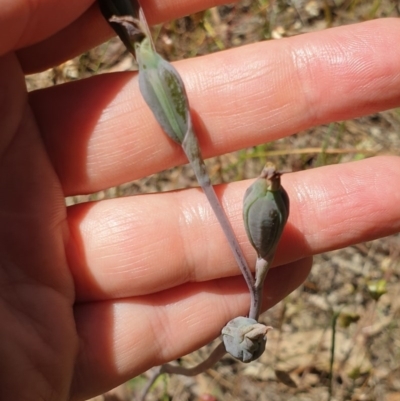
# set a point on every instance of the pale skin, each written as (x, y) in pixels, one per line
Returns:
(96, 294)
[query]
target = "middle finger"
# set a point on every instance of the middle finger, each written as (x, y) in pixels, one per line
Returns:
(138, 245)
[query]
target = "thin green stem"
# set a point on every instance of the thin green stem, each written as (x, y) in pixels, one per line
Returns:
(262, 267)
(214, 357)
(192, 151)
(332, 357)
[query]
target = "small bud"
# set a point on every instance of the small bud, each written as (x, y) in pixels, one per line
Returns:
(265, 212)
(163, 90)
(245, 338)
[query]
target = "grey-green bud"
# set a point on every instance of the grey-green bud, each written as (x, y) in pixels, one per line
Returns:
(265, 212)
(245, 338)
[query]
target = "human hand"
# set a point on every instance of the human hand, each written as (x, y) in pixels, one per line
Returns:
(98, 293)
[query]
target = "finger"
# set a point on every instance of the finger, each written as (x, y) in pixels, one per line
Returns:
(91, 29)
(133, 246)
(100, 133)
(122, 339)
(26, 22)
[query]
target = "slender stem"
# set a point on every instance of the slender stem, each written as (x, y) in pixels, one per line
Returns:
(332, 356)
(262, 267)
(157, 372)
(255, 303)
(214, 357)
(192, 151)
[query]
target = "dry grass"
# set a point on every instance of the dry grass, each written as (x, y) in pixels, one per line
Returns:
(338, 301)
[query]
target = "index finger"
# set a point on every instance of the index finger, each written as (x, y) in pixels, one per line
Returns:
(100, 133)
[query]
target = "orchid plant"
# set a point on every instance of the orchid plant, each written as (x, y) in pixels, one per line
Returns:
(266, 203)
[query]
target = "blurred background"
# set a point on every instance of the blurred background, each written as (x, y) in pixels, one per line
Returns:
(337, 337)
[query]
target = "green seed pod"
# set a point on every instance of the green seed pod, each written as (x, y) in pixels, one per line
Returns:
(265, 212)
(160, 83)
(163, 90)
